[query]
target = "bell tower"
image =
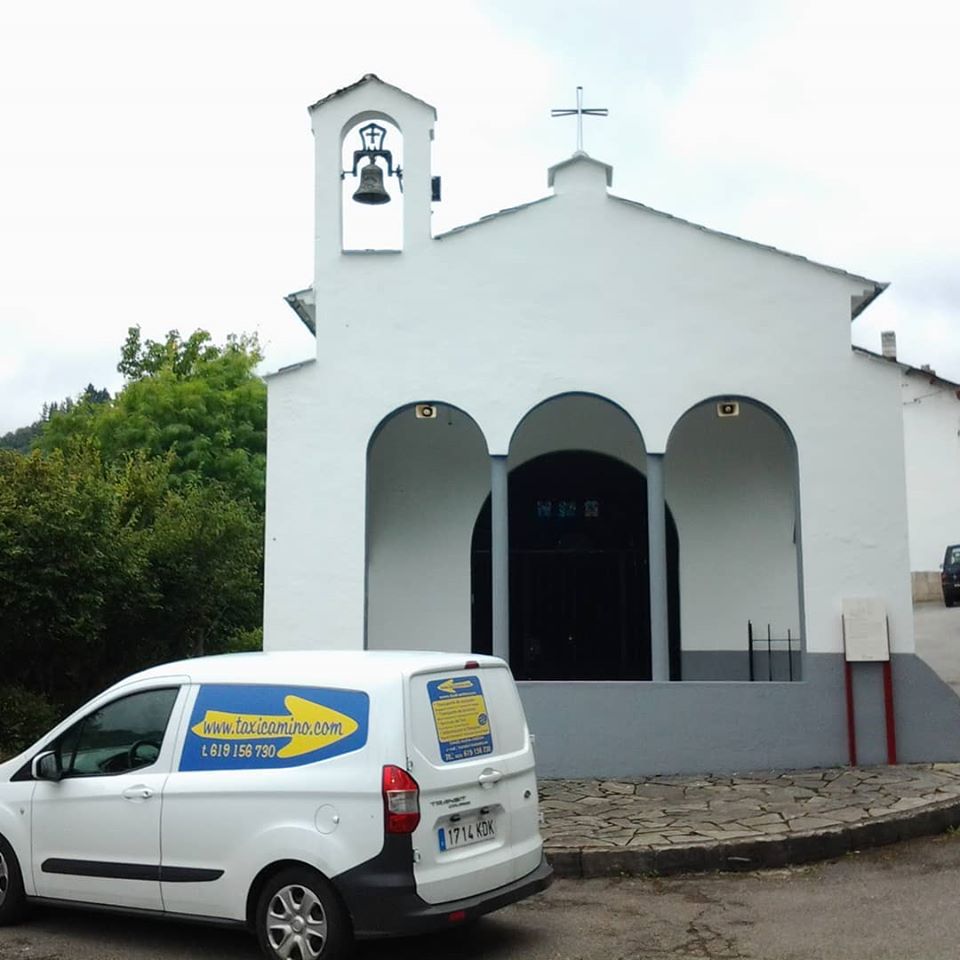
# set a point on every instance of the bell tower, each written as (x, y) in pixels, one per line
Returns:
(366, 111)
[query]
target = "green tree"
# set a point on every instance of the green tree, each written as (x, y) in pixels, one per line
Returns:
(26, 716)
(190, 399)
(205, 560)
(106, 568)
(23, 438)
(67, 564)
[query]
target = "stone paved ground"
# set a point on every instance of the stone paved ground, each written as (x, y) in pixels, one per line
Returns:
(669, 824)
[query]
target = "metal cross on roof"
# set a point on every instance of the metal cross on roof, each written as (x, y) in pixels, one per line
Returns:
(580, 112)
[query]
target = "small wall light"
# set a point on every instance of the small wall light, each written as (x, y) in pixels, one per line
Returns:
(728, 408)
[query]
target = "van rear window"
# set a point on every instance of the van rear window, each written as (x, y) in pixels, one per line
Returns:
(465, 715)
(953, 557)
(461, 718)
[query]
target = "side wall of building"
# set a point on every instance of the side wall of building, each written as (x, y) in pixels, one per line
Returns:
(931, 426)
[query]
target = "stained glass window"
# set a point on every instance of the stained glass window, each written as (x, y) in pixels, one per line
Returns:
(567, 508)
(591, 508)
(544, 508)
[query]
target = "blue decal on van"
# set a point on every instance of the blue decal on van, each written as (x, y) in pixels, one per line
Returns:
(460, 716)
(251, 727)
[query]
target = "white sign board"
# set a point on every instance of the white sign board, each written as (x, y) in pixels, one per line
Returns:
(865, 636)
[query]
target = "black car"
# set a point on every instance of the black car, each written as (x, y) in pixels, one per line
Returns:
(950, 575)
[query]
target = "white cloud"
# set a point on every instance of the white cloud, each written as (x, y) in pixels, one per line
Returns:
(831, 135)
(156, 163)
(156, 160)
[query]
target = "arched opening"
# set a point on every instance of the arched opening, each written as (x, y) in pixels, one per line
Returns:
(579, 570)
(427, 473)
(376, 225)
(732, 481)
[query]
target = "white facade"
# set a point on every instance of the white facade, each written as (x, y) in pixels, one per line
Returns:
(931, 427)
(931, 436)
(496, 318)
(581, 322)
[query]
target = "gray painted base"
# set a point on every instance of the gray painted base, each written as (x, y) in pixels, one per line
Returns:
(735, 665)
(588, 729)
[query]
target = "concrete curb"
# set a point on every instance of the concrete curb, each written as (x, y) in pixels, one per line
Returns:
(779, 850)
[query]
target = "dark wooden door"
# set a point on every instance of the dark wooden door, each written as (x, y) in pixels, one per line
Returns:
(579, 578)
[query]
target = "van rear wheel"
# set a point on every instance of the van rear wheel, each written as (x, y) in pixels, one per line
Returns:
(300, 917)
(12, 899)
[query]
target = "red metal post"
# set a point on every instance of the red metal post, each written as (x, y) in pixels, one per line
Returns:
(851, 721)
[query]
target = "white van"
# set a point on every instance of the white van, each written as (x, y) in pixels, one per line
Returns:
(312, 796)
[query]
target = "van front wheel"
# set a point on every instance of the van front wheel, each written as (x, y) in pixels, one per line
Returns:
(12, 897)
(300, 917)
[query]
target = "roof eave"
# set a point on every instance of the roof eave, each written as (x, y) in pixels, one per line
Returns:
(289, 368)
(907, 368)
(492, 216)
(859, 304)
(368, 78)
(305, 311)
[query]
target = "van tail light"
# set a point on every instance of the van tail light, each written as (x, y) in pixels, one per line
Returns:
(401, 800)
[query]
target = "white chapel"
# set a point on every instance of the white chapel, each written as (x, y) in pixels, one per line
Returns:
(633, 456)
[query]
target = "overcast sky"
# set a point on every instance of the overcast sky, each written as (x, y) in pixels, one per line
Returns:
(156, 158)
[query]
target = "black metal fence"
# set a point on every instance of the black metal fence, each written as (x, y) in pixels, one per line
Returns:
(773, 658)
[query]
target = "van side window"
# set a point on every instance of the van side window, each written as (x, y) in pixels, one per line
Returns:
(121, 736)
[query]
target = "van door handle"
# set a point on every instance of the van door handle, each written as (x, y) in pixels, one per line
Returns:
(489, 777)
(139, 792)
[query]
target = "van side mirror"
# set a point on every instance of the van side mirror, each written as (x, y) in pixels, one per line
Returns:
(46, 766)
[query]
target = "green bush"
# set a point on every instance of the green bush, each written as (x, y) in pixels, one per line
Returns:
(243, 641)
(24, 716)
(106, 570)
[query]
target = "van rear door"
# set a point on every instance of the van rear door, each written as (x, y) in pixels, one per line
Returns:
(469, 750)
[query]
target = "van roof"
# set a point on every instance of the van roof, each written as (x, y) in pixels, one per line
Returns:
(347, 668)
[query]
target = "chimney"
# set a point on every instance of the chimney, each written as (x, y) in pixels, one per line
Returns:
(888, 344)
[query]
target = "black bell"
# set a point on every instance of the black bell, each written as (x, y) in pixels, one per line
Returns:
(371, 186)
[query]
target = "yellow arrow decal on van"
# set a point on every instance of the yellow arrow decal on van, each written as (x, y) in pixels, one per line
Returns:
(310, 726)
(452, 686)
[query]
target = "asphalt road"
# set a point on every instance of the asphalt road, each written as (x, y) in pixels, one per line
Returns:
(896, 902)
